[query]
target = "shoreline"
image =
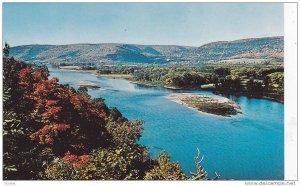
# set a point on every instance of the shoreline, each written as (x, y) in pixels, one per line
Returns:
(116, 76)
(200, 103)
(143, 84)
(121, 76)
(216, 92)
(88, 84)
(94, 72)
(248, 95)
(195, 109)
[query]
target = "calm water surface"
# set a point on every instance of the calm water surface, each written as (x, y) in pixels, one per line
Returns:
(247, 146)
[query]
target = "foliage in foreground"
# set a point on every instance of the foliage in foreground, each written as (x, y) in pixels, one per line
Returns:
(54, 132)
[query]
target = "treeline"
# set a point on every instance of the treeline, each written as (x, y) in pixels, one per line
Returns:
(266, 80)
(257, 81)
(54, 132)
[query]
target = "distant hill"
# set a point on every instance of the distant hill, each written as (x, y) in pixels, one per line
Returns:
(269, 48)
(257, 48)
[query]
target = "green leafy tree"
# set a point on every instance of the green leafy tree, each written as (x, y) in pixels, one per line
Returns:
(12, 133)
(164, 169)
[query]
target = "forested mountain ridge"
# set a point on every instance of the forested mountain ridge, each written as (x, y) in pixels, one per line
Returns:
(270, 48)
(256, 48)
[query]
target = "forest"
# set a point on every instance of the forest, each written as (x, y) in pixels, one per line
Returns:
(253, 80)
(55, 132)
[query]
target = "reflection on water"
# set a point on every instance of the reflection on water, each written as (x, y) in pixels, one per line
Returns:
(247, 146)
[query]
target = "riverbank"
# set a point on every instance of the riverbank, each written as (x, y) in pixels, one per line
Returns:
(79, 69)
(117, 76)
(130, 78)
(215, 105)
(278, 100)
(209, 88)
(143, 84)
(70, 67)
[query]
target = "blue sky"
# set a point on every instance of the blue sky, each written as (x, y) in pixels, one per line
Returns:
(191, 24)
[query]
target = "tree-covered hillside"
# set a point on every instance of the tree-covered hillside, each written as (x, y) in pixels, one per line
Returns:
(95, 54)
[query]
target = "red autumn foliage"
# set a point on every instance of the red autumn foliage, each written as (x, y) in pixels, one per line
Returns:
(48, 133)
(77, 161)
(41, 74)
(61, 112)
(25, 76)
(52, 111)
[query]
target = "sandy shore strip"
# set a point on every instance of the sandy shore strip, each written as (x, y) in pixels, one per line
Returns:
(70, 67)
(117, 76)
(78, 69)
(207, 104)
(87, 84)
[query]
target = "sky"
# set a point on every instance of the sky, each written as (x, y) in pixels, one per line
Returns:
(188, 24)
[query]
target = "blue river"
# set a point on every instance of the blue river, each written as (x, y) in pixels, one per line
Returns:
(249, 146)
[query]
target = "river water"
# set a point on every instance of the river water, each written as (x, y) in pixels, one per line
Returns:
(249, 146)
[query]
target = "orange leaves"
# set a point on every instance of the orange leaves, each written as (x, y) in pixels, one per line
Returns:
(70, 157)
(52, 112)
(26, 81)
(46, 106)
(25, 72)
(50, 103)
(86, 106)
(77, 161)
(45, 88)
(47, 134)
(41, 74)
(78, 101)
(62, 117)
(25, 76)
(60, 127)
